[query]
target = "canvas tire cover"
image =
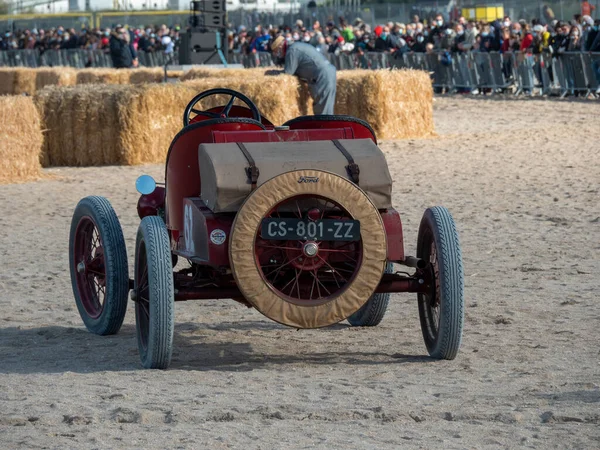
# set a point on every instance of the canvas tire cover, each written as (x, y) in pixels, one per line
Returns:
(246, 227)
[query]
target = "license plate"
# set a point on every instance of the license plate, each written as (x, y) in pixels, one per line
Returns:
(317, 230)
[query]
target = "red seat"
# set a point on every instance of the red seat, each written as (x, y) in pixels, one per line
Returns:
(221, 137)
(236, 111)
(361, 129)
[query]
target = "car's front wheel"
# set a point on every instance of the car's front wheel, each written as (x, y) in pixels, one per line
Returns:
(154, 294)
(441, 310)
(98, 265)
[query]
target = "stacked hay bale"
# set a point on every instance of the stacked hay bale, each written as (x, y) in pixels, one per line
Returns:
(20, 139)
(124, 76)
(227, 75)
(17, 81)
(140, 76)
(103, 76)
(108, 124)
(7, 81)
(56, 76)
(306, 101)
(152, 75)
(104, 124)
(82, 124)
(223, 74)
(398, 104)
(175, 74)
(277, 97)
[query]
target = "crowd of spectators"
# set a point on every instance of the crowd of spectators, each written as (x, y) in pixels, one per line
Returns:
(433, 34)
(555, 37)
(149, 39)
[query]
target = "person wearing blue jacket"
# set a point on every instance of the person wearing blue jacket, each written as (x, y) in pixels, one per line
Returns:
(261, 43)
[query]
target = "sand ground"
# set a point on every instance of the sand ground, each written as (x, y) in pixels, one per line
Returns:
(522, 179)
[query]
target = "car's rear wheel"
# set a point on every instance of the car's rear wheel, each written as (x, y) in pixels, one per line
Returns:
(441, 310)
(317, 274)
(371, 313)
(154, 294)
(98, 265)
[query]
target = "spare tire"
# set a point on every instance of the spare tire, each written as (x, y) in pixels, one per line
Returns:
(308, 273)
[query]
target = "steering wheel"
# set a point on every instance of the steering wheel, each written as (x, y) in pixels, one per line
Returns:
(226, 109)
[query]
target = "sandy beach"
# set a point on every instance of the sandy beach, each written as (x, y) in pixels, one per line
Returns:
(522, 179)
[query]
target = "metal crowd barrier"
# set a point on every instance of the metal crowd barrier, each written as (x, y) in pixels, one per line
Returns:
(521, 73)
(19, 58)
(77, 58)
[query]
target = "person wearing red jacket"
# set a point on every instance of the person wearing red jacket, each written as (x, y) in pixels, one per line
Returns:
(527, 41)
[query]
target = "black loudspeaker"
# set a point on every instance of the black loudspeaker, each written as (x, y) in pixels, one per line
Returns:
(205, 58)
(213, 20)
(206, 42)
(208, 14)
(202, 47)
(208, 6)
(202, 42)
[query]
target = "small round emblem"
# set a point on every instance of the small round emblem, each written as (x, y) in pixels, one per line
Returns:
(217, 236)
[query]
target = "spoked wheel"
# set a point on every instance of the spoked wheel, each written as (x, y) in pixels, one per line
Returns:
(441, 311)
(98, 264)
(154, 294)
(312, 270)
(371, 314)
(308, 248)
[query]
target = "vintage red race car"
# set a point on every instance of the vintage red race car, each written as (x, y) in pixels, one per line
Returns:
(295, 221)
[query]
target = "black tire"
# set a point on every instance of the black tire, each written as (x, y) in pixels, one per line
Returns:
(441, 311)
(154, 294)
(99, 273)
(371, 313)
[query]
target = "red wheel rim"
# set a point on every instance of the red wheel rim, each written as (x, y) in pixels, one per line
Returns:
(301, 279)
(142, 295)
(88, 254)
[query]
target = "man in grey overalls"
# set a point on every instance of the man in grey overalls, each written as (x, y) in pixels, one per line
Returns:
(304, 61)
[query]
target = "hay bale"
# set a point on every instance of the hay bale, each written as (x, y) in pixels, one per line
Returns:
(25, 81)
(223, 74)
(7, 81)
(20, 139)
(398, 104)
(103, 76)
(46, 109)
(82, 124)
(107, 124)
(276, 97)
(305, 100)
(17, 81)
(89, 125)
(161, 106)
(57, 76)
(152, 75)
(174, 73)
(140, 76)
